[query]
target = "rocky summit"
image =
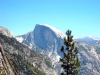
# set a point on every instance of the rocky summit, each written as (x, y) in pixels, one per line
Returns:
(6, 32)
(49, 39)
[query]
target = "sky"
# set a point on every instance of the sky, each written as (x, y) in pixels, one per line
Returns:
(82, 17)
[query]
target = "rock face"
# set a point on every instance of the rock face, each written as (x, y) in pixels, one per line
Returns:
(6, 66)
(29, 62)
(5, 31)
(50, 40)
(45, 35)
(28, 40)
(29, 37)
(89, 55)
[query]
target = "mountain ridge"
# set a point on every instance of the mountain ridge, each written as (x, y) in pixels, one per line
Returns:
(33, 60)
(88, 36)
(47, 39)
(89, 50)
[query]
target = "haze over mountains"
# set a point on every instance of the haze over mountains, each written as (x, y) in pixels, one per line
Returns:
(48, 40)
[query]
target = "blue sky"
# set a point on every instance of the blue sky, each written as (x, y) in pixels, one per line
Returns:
(80, 16)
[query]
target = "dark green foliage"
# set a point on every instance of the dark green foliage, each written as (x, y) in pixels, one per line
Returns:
(10, 41)
(26, 67)
(70, 61)
(23, 65)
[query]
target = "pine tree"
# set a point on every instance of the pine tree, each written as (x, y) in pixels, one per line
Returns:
(70, 61)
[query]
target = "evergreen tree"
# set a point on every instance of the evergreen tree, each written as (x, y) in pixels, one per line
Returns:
(70, 61)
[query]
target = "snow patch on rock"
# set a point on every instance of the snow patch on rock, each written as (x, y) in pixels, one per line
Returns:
(20, 39)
